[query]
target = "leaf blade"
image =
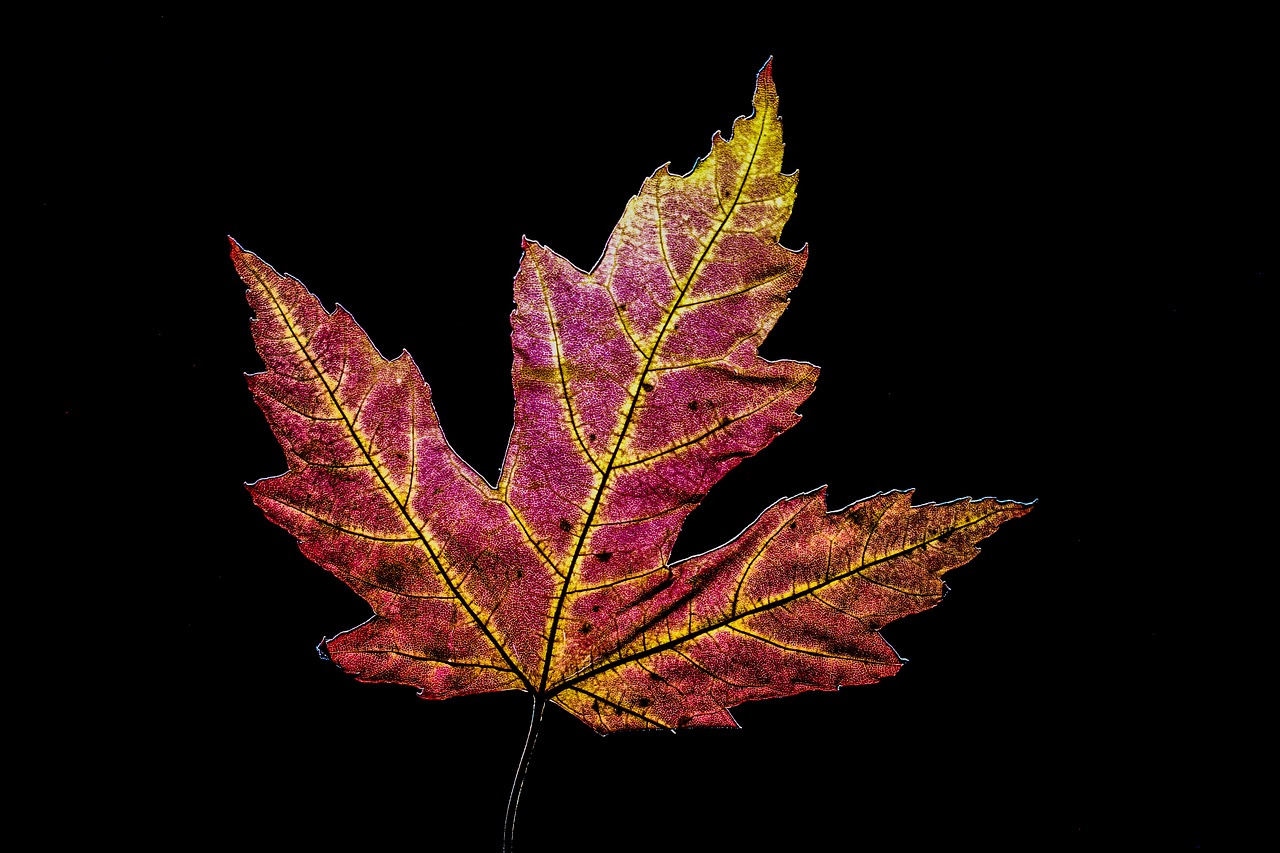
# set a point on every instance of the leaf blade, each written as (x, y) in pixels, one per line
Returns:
(770, 614)
(374, 493)
(638, 386)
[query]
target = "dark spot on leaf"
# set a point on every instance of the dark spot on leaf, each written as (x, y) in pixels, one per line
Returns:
(595, 608)
(390, 576)
(653, 676)
(693, 404)
(793, 525)
(648, 386)
(694, 499)
(944, 537)
(604, 556)
(586, 628)
(564, 525)
(643, 702)
(622, 307)
(519, 573)
(591, 437)
(595, 705)
(684, 720)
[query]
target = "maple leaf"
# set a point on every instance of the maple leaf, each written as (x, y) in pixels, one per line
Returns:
(638, 386)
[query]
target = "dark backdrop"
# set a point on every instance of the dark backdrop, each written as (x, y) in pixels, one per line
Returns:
(1035, 251)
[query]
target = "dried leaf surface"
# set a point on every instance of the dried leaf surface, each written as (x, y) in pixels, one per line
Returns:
(638, 386)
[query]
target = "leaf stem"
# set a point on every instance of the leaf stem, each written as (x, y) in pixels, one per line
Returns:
(526, 758)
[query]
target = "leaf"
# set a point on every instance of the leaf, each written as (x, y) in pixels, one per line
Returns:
(638, 386)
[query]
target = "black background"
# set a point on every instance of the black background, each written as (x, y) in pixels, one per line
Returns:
(1037, 255)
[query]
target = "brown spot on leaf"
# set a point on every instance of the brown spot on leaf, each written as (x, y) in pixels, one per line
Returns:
(390, 576)
(604, 556)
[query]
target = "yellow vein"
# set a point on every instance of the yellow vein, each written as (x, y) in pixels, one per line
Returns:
(724, 424)
(559, 354)
(732, 293)
(742, 579)
(787, 648)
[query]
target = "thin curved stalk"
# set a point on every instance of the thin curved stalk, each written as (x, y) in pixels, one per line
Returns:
(526, 758)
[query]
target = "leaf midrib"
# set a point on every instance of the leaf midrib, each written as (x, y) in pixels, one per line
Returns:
(631, 408)
(770, 605)
(419, 534)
